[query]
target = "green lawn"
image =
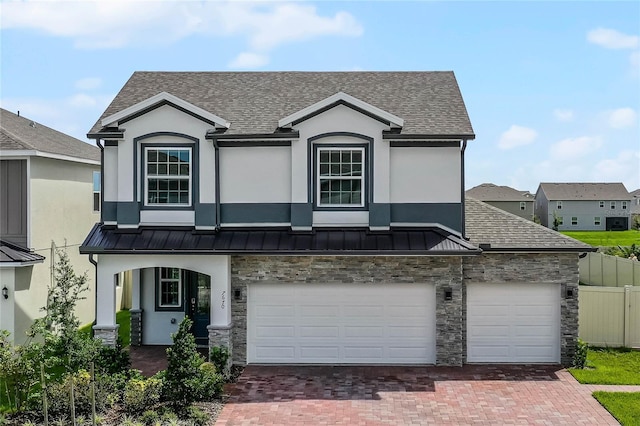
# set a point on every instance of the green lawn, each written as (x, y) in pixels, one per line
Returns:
(624, 406)
(123, 318)
(610, 367)
(606, 238)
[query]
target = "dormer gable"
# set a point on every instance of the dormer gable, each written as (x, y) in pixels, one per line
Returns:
(341, 98)
(163, 98)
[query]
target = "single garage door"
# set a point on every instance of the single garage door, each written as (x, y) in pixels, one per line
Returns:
(341, 324)
(517, 323)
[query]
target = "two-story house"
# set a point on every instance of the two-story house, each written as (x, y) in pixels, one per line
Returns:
(505, 198)
(49, 197)
(584, 206)
(319, 217)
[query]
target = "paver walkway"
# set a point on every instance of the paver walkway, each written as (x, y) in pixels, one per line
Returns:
(503, 394)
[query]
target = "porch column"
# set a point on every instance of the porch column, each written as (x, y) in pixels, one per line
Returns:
(221, 327)
(106, 328)
(136, 309)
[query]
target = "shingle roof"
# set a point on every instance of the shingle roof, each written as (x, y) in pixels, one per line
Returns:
(585, 191)
(276, 241)
(492, 192)
(486, 224)
(253, 102)
(18, 133)
(11, 253)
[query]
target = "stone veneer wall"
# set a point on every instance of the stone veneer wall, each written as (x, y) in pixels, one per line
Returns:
(559, 268)
(444, 272)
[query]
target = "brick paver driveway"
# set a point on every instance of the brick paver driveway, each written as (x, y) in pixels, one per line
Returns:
(489, 395)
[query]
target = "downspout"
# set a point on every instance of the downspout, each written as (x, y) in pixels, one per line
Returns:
(101, 181)
(217, 184)
(462, 195)
(95, 305)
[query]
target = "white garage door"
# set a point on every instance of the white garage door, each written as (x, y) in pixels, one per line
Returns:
(513, 323)
(341, 324)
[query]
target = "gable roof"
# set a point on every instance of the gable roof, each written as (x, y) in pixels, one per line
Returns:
(585, 191)
(503, 231)
(12, 254)
(430, 103)
(18, 133)
(492, 192)
(635, 193)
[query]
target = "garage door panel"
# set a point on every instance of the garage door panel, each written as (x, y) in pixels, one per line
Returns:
(513, 322)
(342, 323)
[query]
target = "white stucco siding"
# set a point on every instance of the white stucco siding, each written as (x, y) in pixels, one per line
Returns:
(255, 174)
(167, 217)
(110, 166)
(163, 119)
(61, 208)
(340, 119)
(7, 316)
(425, 175)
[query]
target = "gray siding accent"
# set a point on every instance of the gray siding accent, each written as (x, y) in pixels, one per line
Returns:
(447, 214)
(379, 214)
(13, 201)
(255, 212)
(301, 214)
(109, 211)
(205, 214)
(513, 207)
(128, 213)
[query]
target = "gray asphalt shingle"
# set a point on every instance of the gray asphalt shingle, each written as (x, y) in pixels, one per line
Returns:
(492, 192)
(585, 191)
(253, 102)
(18, 133)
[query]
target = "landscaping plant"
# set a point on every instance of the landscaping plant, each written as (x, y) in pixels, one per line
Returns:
(580, 357)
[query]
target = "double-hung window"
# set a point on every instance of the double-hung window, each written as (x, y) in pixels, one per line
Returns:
(340, 177)
(169, 289)
(624, 205)
(522, 205)
(167, 176)
(613, 205)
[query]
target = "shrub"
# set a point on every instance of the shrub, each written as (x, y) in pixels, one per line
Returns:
(580, 357)
(219, 356)
(140, 394)
(58, 395)
(210, 383)
(181, 383)
(150, 418)
(197, 416)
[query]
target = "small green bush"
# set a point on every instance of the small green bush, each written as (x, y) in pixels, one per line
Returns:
(210, 384)
(580, 357)
(197, 416)
(150, 417)
(219, 356)
(140, 394)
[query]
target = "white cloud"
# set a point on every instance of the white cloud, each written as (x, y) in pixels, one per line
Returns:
(100, 24)
(612, 39)
(571, 149)
(621, 118)
(88, 83)
(516, 136)
(623, 168)
(563, 114)
(248, 60)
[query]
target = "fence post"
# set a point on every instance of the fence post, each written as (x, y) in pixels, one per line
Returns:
(45, 403)
(627, 316)
(73, 402)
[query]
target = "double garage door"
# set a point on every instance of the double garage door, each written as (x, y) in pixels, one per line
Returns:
(395, 323)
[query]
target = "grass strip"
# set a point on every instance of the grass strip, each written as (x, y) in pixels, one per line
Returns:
(610, 367)
(624, 406)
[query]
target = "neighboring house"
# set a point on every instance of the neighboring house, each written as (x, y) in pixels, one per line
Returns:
(319, 218)
(47, 199)
(635, 207)
(584, 206)
(505, 198)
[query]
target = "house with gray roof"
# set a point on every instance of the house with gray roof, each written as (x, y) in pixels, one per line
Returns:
(49, 197)
(319, 218)
(584, 206)
(504, 197)
(635, 208)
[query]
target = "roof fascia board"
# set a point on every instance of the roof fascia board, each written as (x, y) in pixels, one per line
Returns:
(36, 153)
(427, 137)
(19, 264)
(394, 120)
(163, 97)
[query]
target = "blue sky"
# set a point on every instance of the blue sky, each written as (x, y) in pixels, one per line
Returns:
(552, 88)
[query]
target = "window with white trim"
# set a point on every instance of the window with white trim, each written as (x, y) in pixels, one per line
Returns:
(96, 191)
(167, 176)
(560, 220)
(613, 205)
(624, 205)
(596, 221)
(169, 289)
(522, 205)
(574, 220)
(340, 180)
(559, 205)
(602, 204)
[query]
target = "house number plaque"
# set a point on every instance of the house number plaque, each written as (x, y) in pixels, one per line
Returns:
(223, 297)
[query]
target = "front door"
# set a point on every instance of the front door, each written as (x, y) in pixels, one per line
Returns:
(199, 304)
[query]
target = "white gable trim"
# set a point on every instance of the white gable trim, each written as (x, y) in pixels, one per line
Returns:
(341, 96)
(164, 97)
(23, 154)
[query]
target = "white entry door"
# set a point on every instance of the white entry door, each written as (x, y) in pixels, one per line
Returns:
(341, 324)
(517, 323)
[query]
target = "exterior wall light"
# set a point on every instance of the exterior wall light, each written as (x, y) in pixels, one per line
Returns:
(5, 292)
(448, 293)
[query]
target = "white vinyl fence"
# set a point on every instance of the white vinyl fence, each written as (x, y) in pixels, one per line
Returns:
(611, 271)
(610, 316)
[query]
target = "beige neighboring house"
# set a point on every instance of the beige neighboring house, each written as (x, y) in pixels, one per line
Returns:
(49, 197)
(505, 198)
(598, 206)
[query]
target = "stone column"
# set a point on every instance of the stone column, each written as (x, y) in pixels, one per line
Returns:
(449, 325)
(108, 334)
(220, 329)
(221, 336)
(106, 328)
(136, 327)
